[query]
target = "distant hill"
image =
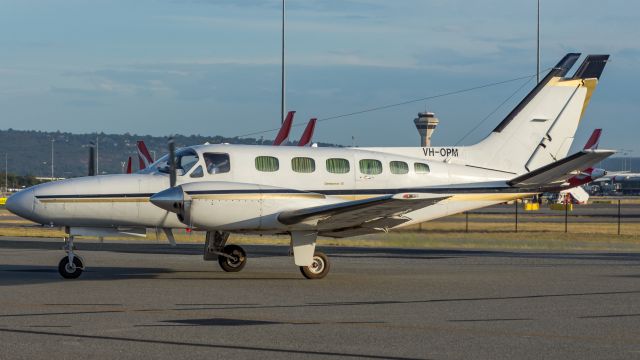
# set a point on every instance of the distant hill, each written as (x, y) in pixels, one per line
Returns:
(29, 152)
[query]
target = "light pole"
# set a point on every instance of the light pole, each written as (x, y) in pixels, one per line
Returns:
(538, 46)
(282, 91)
(626, 155)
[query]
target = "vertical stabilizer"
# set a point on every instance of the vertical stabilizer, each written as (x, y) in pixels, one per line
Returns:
(144, 158)
(283, 134)
(541, 128)
(307, 135)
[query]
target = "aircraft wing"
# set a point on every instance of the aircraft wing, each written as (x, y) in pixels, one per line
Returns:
(373, 213)
(560, 171)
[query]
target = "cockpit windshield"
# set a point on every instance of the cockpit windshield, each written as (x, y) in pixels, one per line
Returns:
(185, 160)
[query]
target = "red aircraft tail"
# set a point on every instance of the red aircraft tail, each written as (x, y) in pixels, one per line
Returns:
(590, 174)
(593, 141)
(307, 135)
(144, 158)
(129, 170)
(283, 134)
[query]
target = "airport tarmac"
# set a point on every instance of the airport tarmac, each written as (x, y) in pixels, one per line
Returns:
(153, 301)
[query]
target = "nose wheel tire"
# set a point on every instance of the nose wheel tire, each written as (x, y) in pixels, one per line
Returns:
(235, 260)
(318, 269)
(70, 270)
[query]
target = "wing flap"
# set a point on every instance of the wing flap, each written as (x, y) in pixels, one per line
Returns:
(358, 212)
(560, 171)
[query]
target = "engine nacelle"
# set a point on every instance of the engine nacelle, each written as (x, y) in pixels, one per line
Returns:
(597, 173)
(231, 206)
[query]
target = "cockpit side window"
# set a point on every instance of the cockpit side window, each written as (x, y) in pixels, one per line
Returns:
(198, 172)
(217, 163)
(185, 160)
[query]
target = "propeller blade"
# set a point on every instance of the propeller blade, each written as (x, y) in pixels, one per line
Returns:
(172, 162)
(92, 159)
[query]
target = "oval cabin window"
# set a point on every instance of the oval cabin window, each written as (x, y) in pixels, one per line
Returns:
(303, 165)
(338, 166)
(399, 167)
(267, 163)
(370, 167)
(421, 168)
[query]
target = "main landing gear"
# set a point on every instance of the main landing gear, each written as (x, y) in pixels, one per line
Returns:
(231, 258)
(313, 264)
(318, 269)
(71, 266)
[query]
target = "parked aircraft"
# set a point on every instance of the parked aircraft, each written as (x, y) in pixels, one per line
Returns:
(306, 192)
(144, 157)
(307, 135)
(285, 129)
(576, 194)
(283, 134)
(129, 166)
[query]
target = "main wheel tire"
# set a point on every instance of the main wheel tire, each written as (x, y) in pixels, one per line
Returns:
(237, 263)
(68, 270)
(319, 268)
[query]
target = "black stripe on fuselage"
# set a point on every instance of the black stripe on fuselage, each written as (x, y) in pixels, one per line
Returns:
(97, 196)
(292, 191)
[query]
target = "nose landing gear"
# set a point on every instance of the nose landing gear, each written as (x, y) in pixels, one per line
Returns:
(232, 259)
(71, 266)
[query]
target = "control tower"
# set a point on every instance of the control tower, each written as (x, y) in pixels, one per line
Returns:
(426, 123)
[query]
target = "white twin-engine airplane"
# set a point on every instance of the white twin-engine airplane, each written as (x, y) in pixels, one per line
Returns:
(307, 192)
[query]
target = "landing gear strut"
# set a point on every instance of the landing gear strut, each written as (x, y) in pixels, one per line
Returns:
(231, 258)
(71, 266)
(313, 264)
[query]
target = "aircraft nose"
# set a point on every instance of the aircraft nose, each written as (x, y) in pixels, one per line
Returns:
(21, 203)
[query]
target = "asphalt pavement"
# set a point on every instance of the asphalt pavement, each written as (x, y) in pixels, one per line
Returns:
(151, 301)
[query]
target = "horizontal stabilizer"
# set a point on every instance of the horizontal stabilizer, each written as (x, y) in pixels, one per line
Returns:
(357, 212)
(560, 171)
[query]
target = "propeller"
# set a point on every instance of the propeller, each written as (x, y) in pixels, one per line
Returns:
(173, 199)
(172, 162)
(92, 159)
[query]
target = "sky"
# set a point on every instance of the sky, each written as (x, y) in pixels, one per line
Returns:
(213, 66)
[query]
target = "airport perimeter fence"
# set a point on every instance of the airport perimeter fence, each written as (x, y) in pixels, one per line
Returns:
(600, 216)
